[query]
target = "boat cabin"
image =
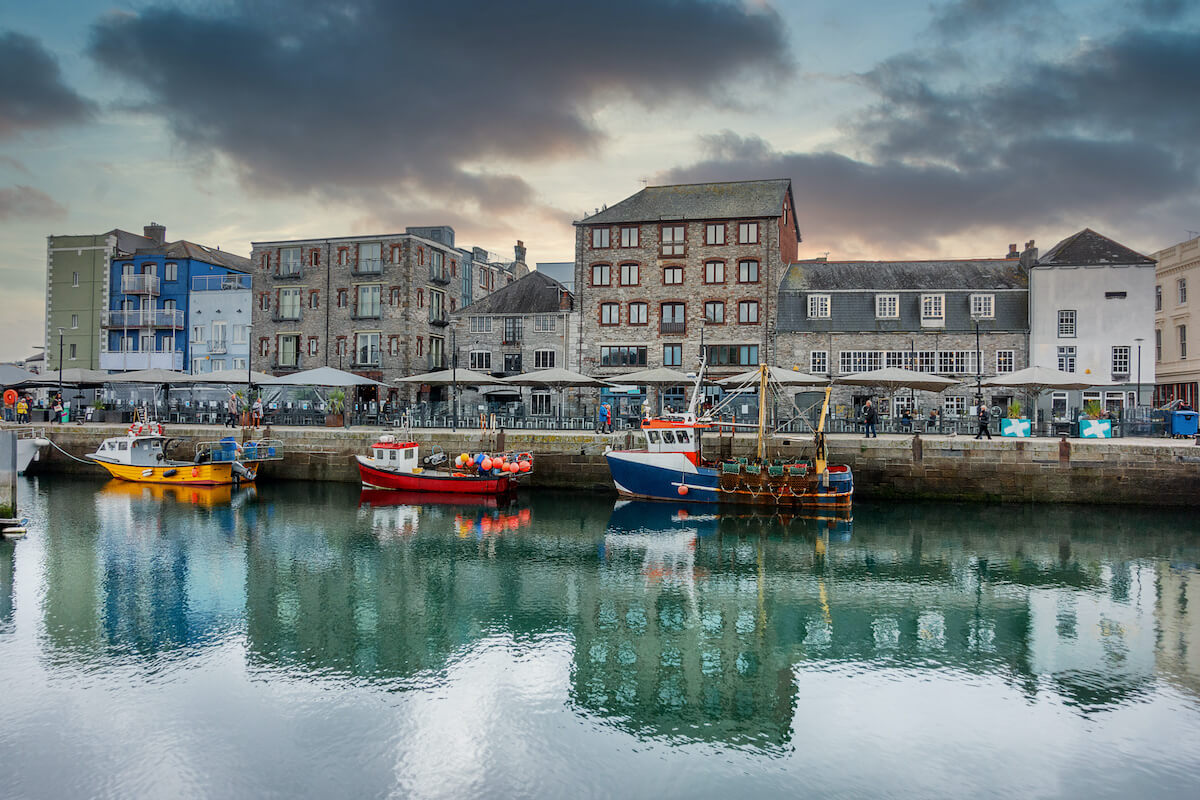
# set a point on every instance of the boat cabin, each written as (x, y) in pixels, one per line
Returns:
(677, 434)
(136, 451)
(396, 456)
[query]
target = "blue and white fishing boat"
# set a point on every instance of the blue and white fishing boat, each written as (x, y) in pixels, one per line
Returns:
(671, 466)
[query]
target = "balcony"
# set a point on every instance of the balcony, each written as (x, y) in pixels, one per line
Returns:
(436, 362)
(127, 360)
(672, 327)
(285, 316)
(439, 318)
(367, 313)
(218, 348)
(367, 267)
(286, 273)
(511, 341)
(279, 366)
(140, 284)
(221, 283)
(441, 276)
(171, 319)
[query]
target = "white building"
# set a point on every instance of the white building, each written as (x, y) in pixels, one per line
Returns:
(1091, 311)
(219, 322)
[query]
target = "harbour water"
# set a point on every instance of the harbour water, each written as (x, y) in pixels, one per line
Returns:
(301, 640)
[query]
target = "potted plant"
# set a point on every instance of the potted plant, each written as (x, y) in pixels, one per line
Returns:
(1092, 423)
(243, 406)
(337, 406)
(97, 414)
(1014, 424)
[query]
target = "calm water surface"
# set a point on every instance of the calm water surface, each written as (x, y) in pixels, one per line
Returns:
(306, 641)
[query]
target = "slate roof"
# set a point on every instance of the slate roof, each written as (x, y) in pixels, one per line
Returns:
(987, 273)
(198, 252)
(529, 294)
(733, 200)
(1088, 248)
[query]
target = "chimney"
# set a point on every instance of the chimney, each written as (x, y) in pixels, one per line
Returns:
(519, 250)
(1013, 252)
(564, 300)
(155, 232)
(1029, 255)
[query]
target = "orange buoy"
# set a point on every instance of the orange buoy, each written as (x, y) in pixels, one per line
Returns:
(683, 490)
(486, 464)
(524, 466)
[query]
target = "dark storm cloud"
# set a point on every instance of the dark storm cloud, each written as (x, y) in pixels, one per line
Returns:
(413, 95)
(962, 17)
(1102, 136)
(32, 93)
(1163, 10)
(25, 202)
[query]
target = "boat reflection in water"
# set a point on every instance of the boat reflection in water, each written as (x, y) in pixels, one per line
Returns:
(395, 512)
(202, 496)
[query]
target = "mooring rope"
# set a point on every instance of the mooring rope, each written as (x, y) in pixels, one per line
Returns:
(65, 453)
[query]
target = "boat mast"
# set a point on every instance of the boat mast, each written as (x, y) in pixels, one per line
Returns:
(699, 377)
(819, 458)
(762, 411)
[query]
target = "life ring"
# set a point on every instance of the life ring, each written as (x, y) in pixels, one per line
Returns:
(10, 397)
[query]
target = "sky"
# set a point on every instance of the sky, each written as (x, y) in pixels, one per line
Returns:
(909, 129)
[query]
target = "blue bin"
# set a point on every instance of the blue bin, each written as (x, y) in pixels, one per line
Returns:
(1184, 423)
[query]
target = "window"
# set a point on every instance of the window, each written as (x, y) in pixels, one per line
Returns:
(197, 333)
(983, 306)
(1182, 341)
(313, 346)
(343, 298)
(220, 336)
(370, 257)
(818, 306)
(748, 233)
(71, 351)
(933, 309)
(1158, 344)
(171, 272)
(543, 359)
(1005, 360)
(368, 300)
(954, 406)
(1120, 360)
(1181, 285)
(748, 312)
(74, 278)
(437, 266)
(714, 233)
(481, 324)
(1066, 359)
(289, 261)
(512, 362)
(1158, 298)
(673, 237)
(622, 356)
(672, 355)
(956, 362)
(74, 320)
(512, 330)
(818, 362)
(289, 347)
(437, 351)
(289, 304)
(629, 237)
(540, 403)
(720, 355)
(264, 347)
(545, 323)
(747, 272)
(610, 313)
(887, 306)
(437, 305)
(314, 298)
(714, 312)
(239, 334)
(671, 318)
(630, 275)
(638, 313)
(851, 361)
(1066, 324)
(601, 275)
(239, 363)
(393, 345)
(599, 238)
(714, 272)
(366, 349)
(673, 275)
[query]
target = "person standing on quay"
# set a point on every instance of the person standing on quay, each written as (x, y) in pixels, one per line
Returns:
(984, 419)
(256, 413)
(870, 417)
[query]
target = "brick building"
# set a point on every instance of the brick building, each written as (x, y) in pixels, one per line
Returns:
(837, 318)
(526, 326)
(378, 305)
(655, 269)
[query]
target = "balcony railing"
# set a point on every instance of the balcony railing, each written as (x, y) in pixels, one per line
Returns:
(368, 266)
(163, 358)
(286, 316)
(438, 318)
(220, 283)
(218, 348)
(286, 273)
(436, 362)
(140, 284)
(441, 276)
(143, 318)
(672, 327)
(368, 313)
(511, 339)
(283, 366)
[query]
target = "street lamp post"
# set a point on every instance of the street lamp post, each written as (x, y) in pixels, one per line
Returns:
(975, 317)
(1139, 341)
(60, 359)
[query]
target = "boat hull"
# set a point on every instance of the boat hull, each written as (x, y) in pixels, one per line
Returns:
(212, 474)
(671, 476)
(431, 481)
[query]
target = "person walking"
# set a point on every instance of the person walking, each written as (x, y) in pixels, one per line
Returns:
(870, 417)
(608, 428)
(231, 411)
(57, 409)
(984, 418)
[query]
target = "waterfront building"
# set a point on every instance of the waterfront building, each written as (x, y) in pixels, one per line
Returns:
(1177, 374)
(656, 268)
(147, 310)
(1090, 309)
(77, 268)
(375, 305)
(837, 318)
(526, 326)
(219, 322)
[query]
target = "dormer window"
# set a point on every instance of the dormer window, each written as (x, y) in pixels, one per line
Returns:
(983, 306)
(933, 310)
(887, 306)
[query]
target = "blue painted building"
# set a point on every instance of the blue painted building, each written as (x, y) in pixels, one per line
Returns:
(147, 315)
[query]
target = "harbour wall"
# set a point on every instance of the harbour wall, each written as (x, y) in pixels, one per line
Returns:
(1125, 471)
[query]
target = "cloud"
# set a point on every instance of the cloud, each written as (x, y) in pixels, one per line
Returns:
(32, 93)
(25, 202)
(1162, 10)
(962, 17)
(412, 96)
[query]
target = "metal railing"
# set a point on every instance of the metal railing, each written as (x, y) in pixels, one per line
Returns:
(368, 266)
(140, 284)
(438, 318)
(143, 318)
(672, 327)
(441, 276)
(221, 283)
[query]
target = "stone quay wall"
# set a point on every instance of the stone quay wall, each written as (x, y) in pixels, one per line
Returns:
(1128, 471)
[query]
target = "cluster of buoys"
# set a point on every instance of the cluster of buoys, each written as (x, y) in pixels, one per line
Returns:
(499, 463)
(146, 429)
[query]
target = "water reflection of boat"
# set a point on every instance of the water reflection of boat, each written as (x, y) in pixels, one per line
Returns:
(202, 496)
(396, 497)
(641, 517)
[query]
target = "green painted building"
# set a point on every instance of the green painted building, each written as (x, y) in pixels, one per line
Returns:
(76, 281)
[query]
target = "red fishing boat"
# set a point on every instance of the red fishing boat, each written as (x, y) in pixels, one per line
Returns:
(397, 465)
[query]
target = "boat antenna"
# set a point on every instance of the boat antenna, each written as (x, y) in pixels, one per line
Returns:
(699, 377)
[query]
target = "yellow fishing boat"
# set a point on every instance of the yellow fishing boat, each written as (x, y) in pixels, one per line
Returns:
(140, 456)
